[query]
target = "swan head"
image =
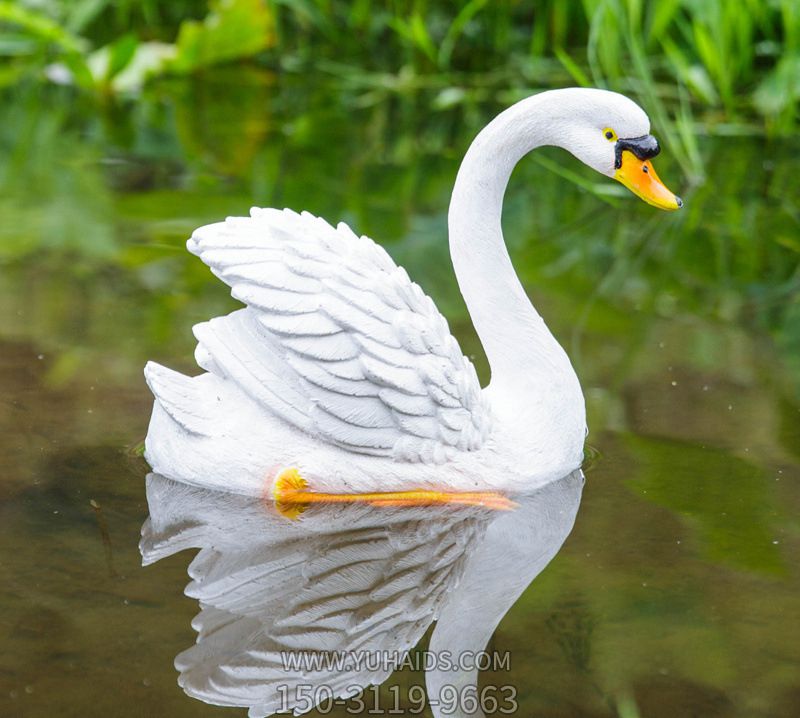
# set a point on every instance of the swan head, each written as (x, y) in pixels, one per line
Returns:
(611, 134)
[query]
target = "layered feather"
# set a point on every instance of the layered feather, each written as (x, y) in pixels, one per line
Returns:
(337, 340)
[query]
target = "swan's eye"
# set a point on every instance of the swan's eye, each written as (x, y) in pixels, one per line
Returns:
(645, 170)
(610, 134)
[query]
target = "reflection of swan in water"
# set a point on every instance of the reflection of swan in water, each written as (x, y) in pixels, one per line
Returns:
(349, 581)
(341, 377)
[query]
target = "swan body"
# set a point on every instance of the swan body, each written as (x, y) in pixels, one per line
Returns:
(342, 368)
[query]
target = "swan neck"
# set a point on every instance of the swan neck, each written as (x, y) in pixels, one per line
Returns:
(519, 347)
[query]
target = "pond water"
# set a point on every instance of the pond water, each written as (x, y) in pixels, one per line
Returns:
(677, 592)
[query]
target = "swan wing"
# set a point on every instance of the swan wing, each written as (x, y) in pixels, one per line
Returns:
(337, 340)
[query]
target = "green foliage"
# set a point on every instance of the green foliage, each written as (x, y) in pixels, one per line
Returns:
(233, 29)
(735, 65)
(32, 38)
(209, 146)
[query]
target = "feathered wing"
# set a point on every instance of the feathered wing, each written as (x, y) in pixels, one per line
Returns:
(340, 585)
(336, 339)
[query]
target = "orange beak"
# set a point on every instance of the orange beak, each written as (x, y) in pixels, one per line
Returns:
(641, 179)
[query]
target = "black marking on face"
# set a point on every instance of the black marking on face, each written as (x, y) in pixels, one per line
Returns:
(643, 147)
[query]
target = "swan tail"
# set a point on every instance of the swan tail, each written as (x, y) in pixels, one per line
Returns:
(181, 397)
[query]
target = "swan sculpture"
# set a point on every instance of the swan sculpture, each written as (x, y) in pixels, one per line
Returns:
(339, 381)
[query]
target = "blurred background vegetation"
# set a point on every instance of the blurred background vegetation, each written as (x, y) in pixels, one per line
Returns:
(737, 65)
(160, 115)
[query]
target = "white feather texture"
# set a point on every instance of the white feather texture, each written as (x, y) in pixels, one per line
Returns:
(352, 583)
(336, 340)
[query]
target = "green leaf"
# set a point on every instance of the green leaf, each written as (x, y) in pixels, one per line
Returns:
(81, 74)
(572, 68)
(233, 29)
(45, 32)
(83, 12)
(121, 52)
(421, 37)
(469, 11)
(780, 89)
(41, 27)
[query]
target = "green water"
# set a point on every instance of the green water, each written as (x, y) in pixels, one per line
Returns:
(678, 592)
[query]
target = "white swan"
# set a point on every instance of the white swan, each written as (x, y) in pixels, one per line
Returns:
(339, 380)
